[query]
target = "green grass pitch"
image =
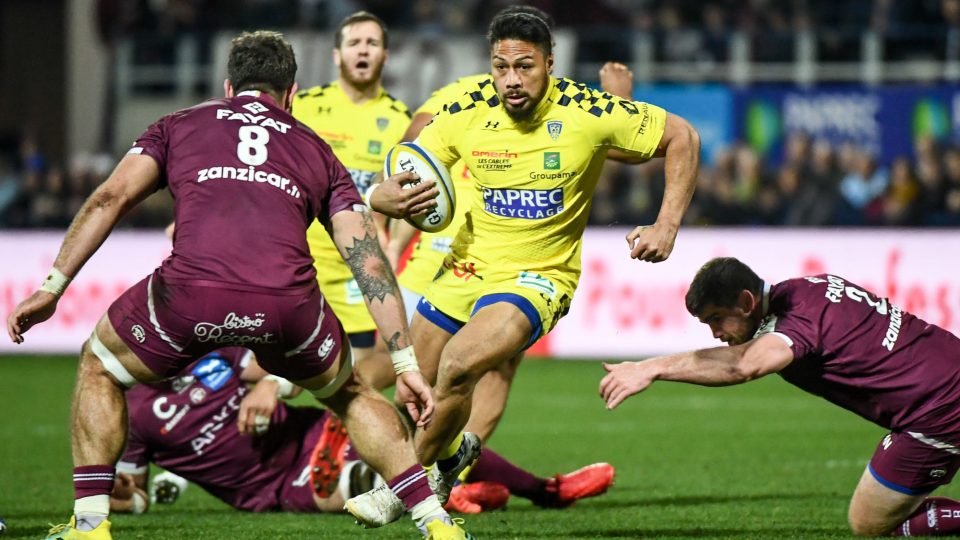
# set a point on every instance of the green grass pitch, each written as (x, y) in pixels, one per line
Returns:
(763, 460)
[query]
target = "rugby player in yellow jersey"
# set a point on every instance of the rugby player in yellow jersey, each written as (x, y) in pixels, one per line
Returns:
(361, 122)
(534, 145)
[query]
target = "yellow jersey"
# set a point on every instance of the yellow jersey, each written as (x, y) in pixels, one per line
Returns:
(533, 180)
(360, 136)
(427, 255)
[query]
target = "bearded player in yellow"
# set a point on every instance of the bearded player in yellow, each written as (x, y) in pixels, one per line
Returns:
(534, 145)
(361, 122)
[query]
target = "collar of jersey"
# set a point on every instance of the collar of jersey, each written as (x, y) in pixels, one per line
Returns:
(259, 96)
(765, 302)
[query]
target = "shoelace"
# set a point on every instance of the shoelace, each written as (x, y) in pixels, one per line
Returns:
(54, 529)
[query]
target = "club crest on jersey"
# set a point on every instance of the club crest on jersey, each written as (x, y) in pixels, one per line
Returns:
(374, 147)
(554, 127)
(382, 123)
(213, 372)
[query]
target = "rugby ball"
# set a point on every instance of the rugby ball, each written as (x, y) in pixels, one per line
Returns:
(408, 156)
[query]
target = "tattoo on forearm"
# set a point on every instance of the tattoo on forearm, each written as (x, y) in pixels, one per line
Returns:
(369, 265)
(393, 344)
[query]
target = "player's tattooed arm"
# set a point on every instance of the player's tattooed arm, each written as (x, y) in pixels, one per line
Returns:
(369, 264)
(355, 235)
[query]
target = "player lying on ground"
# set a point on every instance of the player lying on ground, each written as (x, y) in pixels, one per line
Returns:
(204, 427)
(247, 180)
(837, 340)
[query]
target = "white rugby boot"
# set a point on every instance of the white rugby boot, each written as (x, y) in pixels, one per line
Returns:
(376, 508)
(441, 482)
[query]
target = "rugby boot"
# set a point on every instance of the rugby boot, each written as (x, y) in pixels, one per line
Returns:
(565, 489)
(327, 460)
(441, 482)
(376, 507)
(439, 529)
(68, 531)
(477, 497)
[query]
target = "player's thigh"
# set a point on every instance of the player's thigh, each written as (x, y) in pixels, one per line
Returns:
(494, 335)
(107, 348)
(904, 469)
(876, 509)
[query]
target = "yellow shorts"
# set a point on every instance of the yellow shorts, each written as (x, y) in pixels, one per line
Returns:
(458, 292)
(346, 299)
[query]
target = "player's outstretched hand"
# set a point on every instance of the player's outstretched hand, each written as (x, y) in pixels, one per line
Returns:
(416, 394)
(257, 408)
(616, 79)
(624, 380)
(392, 199)
(652, 243)
(39, 307)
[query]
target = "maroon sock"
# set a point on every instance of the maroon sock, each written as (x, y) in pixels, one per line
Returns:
(936, 516)
(492, 467)
(92, 480)
(411, 486)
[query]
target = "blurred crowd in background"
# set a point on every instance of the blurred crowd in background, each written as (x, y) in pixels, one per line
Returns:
(815, 183)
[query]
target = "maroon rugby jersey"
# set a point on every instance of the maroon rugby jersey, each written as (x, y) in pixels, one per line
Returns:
(188, 426)
(247, 180)
(867, 355)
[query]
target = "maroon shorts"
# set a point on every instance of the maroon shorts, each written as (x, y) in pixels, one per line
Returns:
(169, 325)
(912, 465)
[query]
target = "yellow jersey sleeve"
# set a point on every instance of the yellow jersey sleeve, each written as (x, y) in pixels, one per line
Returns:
(451, 93)
(441, 136)
(631, 126)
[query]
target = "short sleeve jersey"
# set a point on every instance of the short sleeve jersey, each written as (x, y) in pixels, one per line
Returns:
(534, 179)
(867, 355)
(360, 136)
(246, 178)
(188, 426)
(428, 253)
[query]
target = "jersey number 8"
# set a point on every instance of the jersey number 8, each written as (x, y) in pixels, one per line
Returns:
(252, 148)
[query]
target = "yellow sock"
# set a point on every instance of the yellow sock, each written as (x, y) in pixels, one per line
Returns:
(466, 472)
(452, 449)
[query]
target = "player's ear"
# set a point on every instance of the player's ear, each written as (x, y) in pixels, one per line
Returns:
(550, 64)
(746, 301)
(227, 88)
(337, 59)
(288, 97)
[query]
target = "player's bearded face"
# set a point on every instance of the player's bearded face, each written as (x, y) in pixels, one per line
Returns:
(521, 74)
(732, 326)
(361, 55)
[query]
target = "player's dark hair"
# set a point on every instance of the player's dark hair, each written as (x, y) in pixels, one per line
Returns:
(522, 23)
(529, 10)
(719, 283)
(263, 61)
(359, 17)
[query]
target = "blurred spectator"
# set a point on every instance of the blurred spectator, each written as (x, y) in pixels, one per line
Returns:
(900, 204)
(864, 182)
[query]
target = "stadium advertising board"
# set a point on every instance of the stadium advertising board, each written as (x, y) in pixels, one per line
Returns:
(622, 308)
(885, 120)
(708, 108)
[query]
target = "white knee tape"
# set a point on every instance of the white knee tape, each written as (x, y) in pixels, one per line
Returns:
(110, 361)
(330, 389)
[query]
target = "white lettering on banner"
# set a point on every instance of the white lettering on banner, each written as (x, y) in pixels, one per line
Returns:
(619, 310)
(849, 115)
